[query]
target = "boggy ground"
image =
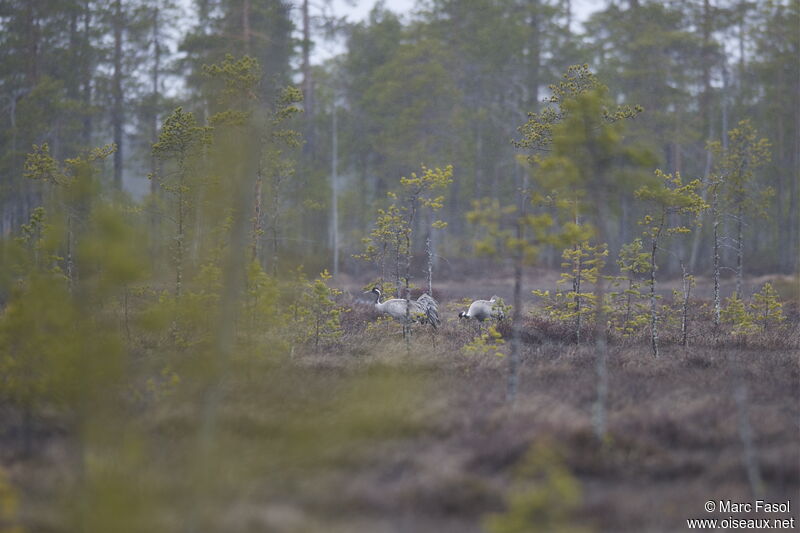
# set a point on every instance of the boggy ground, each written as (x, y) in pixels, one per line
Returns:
(676, 431)
(370, 434)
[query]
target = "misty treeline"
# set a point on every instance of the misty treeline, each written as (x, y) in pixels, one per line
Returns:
(450, 84)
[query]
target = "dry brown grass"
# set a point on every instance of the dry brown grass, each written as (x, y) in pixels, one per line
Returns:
(673, 439)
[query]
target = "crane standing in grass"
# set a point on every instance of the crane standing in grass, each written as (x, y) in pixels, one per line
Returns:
(481, 310)
(424, 310)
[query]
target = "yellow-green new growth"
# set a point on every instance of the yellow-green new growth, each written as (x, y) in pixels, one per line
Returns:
(766, 307)
(670, 199)
(490, 342)
(585, 263)
(542, 498)
(628, 314)
(537, 132)
(180, 139)
(394, 226)
(735, 191)
(315, 315)
(735, 313)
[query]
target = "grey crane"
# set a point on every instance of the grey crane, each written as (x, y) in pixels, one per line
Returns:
(424, 309)
(481, 310)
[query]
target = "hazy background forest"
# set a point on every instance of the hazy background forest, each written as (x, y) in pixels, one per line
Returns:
(449, 83)
(195, 195)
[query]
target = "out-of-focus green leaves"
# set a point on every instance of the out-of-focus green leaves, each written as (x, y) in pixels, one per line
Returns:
(543, 497)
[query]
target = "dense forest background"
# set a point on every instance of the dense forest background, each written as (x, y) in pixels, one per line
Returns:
(449, 84)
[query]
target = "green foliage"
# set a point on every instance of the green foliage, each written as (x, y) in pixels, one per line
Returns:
(392, 233)
(9, 504)
(263, 295)
(180, 136)
(735, 313)
(385, 236)
(670, 196)
(735, 171)
(503, 228)
(543, 497)
(315, 315)
(671, 199)
(111, 250)
(766, 307)
(588, 158)
(37, 246)
(411, 99)
(181, 141)
(74, 174)
(239, 79)
(578, 80)
(491, 342)
(35, 340)
(629, 314)
(57, 349)
(584, 263)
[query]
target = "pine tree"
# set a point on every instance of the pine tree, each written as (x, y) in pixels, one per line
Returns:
(670, 197)
(585, 135)
(766, 307)
(735, 191)
(735, 313)
(181, 140)
(633, 261)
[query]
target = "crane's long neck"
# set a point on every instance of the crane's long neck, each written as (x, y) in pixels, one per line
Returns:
(377, 298)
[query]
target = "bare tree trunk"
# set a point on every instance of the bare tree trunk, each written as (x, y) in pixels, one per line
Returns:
(739, 251)
(653, 299)
(410, 221)
(749, 454)
(335, 193)
(224, 335)
(274, 247)
(512, 383)
(715, 215)
(794, 194)
(707, 58)
(599, 409)
(155, 78)
(725, 103)
(600, 406)
(246, 25)
(70, 265)
(32, 37)
(257, 216)
(117, 116)
(534, 56)
(576, 285)
(179, 238)
(87, 76)
(698, 235)
(516, 325)
(308, 84)
(687, 287)
(429, 253)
